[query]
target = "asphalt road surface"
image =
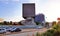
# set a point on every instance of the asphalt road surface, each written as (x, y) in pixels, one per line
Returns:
(28, 32)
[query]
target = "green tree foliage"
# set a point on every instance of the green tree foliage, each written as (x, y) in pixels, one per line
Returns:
(1, 23)
(54, 23)
(5, 22)
(55, 31)
(20, 23)
(37, 34)
(37, 23)
(10, 23)
(47, 24)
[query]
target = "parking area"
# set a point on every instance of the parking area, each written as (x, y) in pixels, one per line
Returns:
(26, 32)
(11, 29)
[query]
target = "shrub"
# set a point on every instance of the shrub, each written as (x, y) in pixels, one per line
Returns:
(55, 31)
(54, 23)
(37, 23)
(37, 34)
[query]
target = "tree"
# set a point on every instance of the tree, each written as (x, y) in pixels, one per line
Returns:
(54, 23)
(58, 22)
(10, 23)
(1, 23)
(20, 23)
(5, 22)
(47, 24)
(37, 23)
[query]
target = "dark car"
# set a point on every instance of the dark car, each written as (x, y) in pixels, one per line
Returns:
(15, 29)
(2, 30)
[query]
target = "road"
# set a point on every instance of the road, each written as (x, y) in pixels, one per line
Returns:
(28, 32)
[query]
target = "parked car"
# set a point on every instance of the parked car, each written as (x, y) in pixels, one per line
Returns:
(8, 29)
(15, 29)
(2, 30)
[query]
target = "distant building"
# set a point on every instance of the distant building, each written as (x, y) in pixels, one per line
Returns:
(40, 18)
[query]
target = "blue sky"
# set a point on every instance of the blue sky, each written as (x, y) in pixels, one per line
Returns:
(11, 10)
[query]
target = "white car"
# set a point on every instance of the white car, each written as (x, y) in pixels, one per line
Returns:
(2, 30)
(8, 29)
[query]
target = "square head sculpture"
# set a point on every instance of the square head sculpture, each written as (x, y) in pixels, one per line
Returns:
(28, 10)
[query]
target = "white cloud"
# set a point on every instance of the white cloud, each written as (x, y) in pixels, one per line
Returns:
(15, 0)
(14, 19)
(50, 8)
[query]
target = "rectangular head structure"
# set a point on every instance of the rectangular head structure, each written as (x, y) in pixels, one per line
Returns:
(28, 10)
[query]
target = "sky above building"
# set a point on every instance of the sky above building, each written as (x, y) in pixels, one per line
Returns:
(11, 10)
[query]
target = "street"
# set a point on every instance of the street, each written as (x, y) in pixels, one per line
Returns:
(31, 32)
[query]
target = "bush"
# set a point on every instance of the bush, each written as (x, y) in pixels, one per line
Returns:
(56, 27)
(37, 34)
(47, 24)
(37, 23)
(54, 23)
(55, 31)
